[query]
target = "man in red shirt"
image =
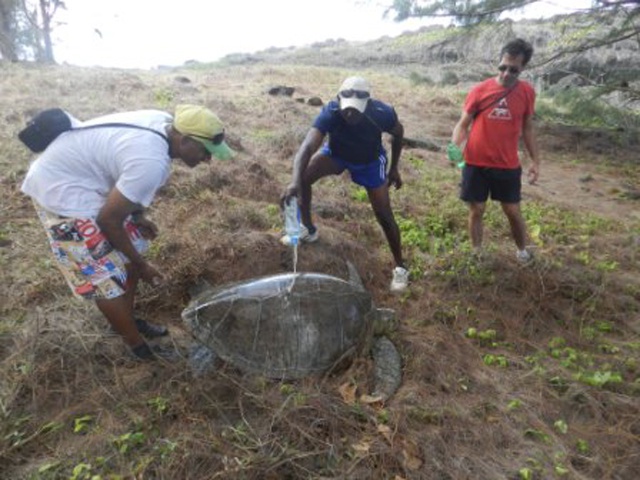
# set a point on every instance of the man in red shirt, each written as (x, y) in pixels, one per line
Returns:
(497, 112)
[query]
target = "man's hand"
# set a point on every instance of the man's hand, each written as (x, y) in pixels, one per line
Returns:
(149, 274)
(533, 173)
(393, 178)
(148, 229)
(291, 191)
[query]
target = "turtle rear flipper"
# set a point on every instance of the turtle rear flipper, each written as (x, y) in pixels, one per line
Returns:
(387, 368)
(199, 287)
(202, 359)
(384, 321)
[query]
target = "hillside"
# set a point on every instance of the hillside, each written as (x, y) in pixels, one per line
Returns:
(442, 54)
(508, 372)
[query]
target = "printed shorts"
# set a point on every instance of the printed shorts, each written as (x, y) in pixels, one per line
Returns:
(89, 263)
(368, 175)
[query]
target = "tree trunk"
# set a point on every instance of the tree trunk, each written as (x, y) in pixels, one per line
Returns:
(7, 37)
(46, 32)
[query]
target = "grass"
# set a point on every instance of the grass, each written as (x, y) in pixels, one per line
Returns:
(538, 365)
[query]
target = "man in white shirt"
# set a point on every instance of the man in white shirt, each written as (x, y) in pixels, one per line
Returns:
(90, 188)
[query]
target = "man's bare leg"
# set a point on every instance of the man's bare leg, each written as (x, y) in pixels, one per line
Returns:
(119, 313)
(476, 226)
(517, 224)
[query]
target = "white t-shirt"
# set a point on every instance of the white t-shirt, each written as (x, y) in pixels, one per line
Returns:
(74, 175)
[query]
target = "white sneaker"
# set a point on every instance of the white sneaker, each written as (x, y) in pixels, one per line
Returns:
(524, 256)
(400, 279)
(305, 237)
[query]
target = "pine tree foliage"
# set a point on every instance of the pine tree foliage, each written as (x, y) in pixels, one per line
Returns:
(471, 12)
(620, 19)
(463, 12)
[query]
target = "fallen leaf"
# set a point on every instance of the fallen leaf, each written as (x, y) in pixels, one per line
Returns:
(369, 399)
(362, 447)
(385, 431)
(412, 461)
(348, 393)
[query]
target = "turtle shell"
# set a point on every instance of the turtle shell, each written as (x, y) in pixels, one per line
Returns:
(283, 326)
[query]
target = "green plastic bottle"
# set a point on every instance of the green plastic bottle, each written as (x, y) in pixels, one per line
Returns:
(454, 154)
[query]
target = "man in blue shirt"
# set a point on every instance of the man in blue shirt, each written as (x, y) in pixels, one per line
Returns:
(355, 123)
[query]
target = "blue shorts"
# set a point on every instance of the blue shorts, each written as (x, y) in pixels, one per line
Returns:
(503, 184)
(368, 175)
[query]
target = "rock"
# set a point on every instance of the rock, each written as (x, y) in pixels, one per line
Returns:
(281, 90)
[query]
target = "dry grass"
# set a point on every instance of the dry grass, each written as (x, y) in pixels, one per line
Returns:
(485, 406)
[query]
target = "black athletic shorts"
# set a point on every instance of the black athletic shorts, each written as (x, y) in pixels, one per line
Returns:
(503, 184)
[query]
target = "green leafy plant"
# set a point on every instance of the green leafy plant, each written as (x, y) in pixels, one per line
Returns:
(514, 404)
(159, 404)
(83, 471)
(82, 424)
(164, 97)
(525, 473)
(561, 426)
(383, 416)
(449, 78)
(537, 435)
(129, 441)
(560, 469)
(497, 360)
(598, 378)
(420, 79)
(359, 194)
(49, 470)
(165, 448)
(582, 446)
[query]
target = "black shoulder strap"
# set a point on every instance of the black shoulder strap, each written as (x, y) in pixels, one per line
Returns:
(123, 125)
(495, 101)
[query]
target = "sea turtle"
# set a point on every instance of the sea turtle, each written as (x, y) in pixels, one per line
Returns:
(292, 325)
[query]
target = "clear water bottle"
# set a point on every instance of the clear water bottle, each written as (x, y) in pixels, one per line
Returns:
(292, 220)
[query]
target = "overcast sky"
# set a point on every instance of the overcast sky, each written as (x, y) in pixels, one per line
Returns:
(148, 33)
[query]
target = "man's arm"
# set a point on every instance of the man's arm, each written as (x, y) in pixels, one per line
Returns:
(309, 146)
(531, 144)
(397, 134)
(461, 130)
(111, 221)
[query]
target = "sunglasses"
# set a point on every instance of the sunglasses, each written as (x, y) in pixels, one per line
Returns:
(354, 93)
(512, 70)
(216, 140)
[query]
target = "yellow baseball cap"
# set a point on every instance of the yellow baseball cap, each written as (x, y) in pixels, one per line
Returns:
(202, 125)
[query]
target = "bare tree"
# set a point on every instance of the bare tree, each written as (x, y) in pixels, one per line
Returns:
(26, 27)
(40, 14)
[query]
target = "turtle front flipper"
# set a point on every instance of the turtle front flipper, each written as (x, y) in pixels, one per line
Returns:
(387, 368)
(354, 277)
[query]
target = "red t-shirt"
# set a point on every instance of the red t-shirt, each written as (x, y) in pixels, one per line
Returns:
(495, 132)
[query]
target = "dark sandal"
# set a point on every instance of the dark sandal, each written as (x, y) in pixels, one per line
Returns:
(149, 330)
(144, 351)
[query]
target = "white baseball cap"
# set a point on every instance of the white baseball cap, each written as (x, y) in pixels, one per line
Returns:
(354, 93)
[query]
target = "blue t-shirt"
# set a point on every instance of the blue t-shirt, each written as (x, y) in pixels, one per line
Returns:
(360, 143)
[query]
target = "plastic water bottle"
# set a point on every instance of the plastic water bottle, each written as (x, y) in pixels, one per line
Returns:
(455, 155)
(292, 220)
